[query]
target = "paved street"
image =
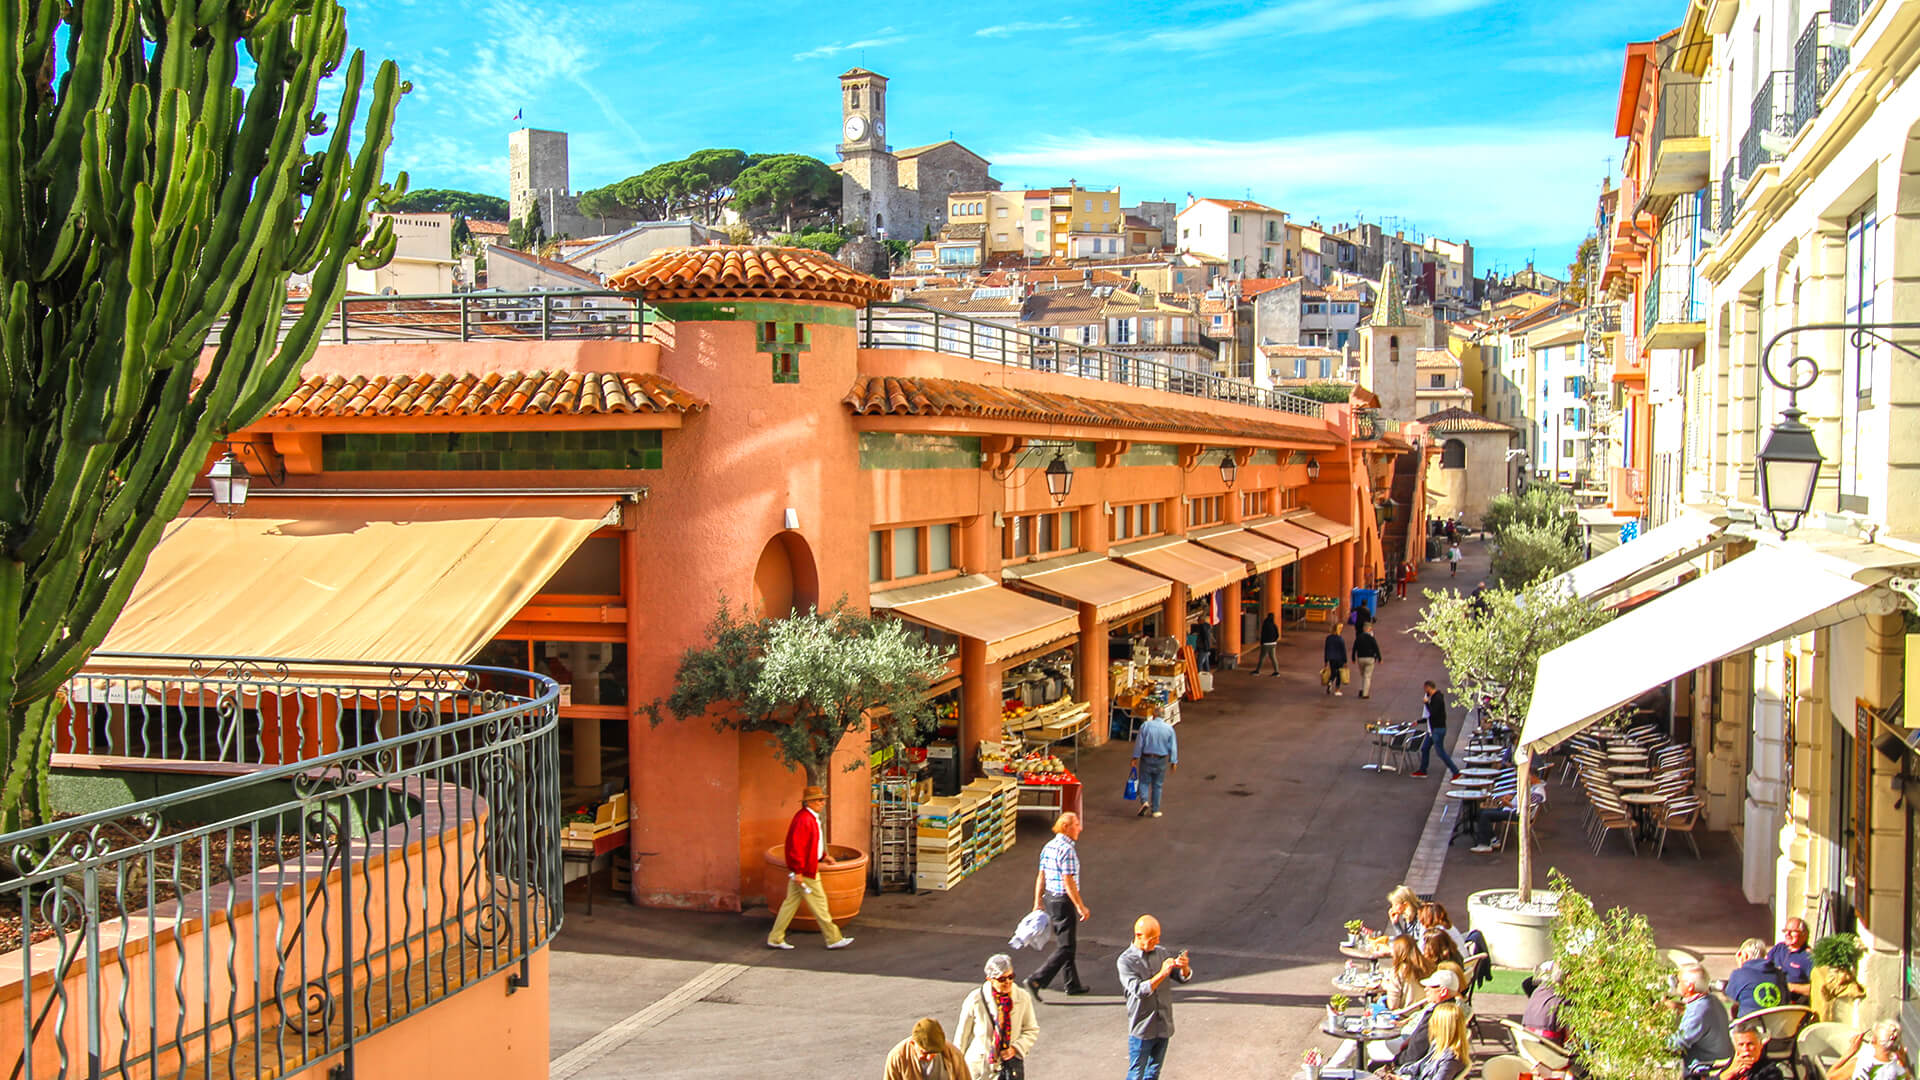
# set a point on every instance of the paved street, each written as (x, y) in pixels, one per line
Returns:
(1272, 838)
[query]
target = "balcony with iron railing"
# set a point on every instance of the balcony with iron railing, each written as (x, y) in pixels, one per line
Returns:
(1770, 124)
(1673, 302)
(293, 857)
(1845, 12)
(1678, 151)
(1819, 58)
(560, 315)
(917, 327)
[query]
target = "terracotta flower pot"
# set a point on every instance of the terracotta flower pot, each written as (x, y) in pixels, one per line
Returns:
(844, 879)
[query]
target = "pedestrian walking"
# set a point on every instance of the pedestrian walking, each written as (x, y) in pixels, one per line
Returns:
(1453, 559)
(1407, 575)
(997, 1027)
(1366, 653)
(1334, 652)
(806, 851)
(927, 1054)
(1056, 890)
(1434, 715)
(1269, 645)
(1145, 969)
(1156, 752)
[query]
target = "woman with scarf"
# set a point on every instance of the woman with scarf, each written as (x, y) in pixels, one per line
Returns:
(997, 1026)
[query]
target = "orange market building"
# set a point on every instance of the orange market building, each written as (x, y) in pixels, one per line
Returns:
(762, 427)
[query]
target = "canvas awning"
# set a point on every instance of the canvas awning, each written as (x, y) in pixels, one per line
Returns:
(1768, 595)
(1173, 558)
(1325, 526)
(1651, 554)
(1296, 536)
(976, 606)
(1258, 551)
(405, 581)
(1113, 589)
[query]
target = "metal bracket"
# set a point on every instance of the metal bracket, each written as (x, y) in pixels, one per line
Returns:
(1908, 588)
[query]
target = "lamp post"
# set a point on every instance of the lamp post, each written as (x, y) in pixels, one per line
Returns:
(1059, 479)
(1788, 465)
(1228, 468)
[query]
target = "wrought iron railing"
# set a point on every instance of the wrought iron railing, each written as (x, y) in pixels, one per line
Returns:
(1845, 12)
(1818, 60)
(915, 326)
(1368, 424)
(564, 315)
(323, 850)
(1728, 203)
(1769, 122)
(1672, 294)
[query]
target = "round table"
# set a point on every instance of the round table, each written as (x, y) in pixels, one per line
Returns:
(1643, 803)
(1473, 781)
(1370, 985)
(1643, 798)
(1482, 759)
(1487, 773)
(1634, 783)
(1358, 952)
(1628, 770)
(1367, 1033)
(1471, 798)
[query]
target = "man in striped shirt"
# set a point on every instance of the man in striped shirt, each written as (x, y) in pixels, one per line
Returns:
(1056, 889)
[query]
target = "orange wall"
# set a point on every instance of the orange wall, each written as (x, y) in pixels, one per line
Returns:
(483, 1031)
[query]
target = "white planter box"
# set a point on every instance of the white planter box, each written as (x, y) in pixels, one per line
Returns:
(1515, 939)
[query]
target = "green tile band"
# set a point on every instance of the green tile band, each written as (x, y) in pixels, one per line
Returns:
(490, 451)
(751, 311)
(889, 450)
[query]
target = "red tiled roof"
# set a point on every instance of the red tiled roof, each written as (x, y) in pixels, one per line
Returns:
(1241, 204)
(903, 396)
(1252, 287)
(486, 228)
(1450, 421)
(513, 393)
(727, 271)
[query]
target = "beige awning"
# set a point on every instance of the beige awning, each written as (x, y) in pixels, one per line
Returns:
(1263, 554)
(1173, 558)
(1334, 531)
(406, 581)
(1113, 589)
(975, 606)
(1296, 536)
(1648, 556)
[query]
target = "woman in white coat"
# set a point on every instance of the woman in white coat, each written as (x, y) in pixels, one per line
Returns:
(997, 1026)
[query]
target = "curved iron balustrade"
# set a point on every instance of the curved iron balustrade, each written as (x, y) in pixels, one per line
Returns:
(334, 847)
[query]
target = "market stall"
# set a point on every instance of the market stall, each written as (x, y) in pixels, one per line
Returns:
(1149, 683)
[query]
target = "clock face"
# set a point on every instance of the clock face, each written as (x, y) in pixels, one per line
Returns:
(879, 129)
(856, 128)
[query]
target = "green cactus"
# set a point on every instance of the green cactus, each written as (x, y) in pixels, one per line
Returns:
(148, 200)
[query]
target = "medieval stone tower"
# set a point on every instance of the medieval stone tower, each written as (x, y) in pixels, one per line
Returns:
(1389, 344)
(869, 175)
(538, 172)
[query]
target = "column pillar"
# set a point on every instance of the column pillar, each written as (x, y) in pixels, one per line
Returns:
(1230, 645)
(1883, 916)
(1091, 674)
(979, 703)
(1270, 599)
(1174, 613)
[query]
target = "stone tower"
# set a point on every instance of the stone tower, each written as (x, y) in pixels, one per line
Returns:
(869, 175)
(536, 164)
(1389, 344)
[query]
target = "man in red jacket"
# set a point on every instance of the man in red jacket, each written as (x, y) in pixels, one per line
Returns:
(806, 850)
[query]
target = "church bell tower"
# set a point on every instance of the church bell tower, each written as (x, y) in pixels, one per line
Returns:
(869, 175)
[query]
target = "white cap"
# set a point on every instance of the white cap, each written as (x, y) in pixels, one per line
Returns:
(1443, 978)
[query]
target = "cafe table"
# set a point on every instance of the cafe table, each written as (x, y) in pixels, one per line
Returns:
(1469, 799)
(1643, 803)
(1359, 1030)
(1628, 770)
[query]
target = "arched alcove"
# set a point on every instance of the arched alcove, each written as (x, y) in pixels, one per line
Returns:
(785, 579)
(1453, 454)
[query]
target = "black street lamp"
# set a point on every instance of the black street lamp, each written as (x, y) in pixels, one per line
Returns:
(1059, 479)
(1228, 468)
(1788, 465)
(1313, 469)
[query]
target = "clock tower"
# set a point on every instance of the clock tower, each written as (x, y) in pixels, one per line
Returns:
(869, 175)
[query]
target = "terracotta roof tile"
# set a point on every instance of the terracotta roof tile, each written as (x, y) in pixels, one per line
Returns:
(878, 395)
(1241, 204)
(486, 228)
(726, 271)
(513, 393)
(1455, 420)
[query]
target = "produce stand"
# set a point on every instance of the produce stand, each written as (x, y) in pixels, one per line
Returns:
(1048, 725)
(1299, 610)
(955, 835)
(584, 844)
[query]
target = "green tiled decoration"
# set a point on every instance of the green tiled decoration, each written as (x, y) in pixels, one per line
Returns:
(888, 450)
(1151, 454)
(485, 451)
(1264, 457)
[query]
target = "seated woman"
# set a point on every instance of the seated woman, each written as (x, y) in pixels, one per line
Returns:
(1875, 1055)
(1448, 1055)
(1403, 913)
(1408, 967)
(1434, 917)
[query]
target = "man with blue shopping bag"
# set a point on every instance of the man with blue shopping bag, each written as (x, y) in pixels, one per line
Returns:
(1156, 751)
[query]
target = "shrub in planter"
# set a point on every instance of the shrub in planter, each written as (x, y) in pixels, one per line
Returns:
(1613, 981)
(1835, 959)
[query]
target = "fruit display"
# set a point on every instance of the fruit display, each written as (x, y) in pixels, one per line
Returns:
(1045, 769)
(1319, 603)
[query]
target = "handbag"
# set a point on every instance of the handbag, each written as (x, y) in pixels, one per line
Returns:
(1326, 674)
(1133, 783)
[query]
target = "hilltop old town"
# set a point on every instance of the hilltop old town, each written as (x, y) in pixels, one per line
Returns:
(1056, 600)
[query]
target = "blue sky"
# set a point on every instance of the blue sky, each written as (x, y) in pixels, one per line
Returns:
(1487, 120)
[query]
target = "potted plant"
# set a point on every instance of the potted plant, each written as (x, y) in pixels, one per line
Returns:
(1336, 1009)
(1354, 929)
(809, 680)
(1612, 982)
(1311, 1063)
(1836, 958)
(1492, 647)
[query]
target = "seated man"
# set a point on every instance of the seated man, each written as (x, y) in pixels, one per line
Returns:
(1542, 1014)
(1749, 1042)
(1498, 809)
(1794, 961)
(1756, 984)
(1703, 1039)
(1443, 992)
(1875, 1055)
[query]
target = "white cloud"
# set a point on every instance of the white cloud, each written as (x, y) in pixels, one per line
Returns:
(1572, 64)
(1498, 187)
(530, 49)
(1295, 18)
(1065, 22)
(881, 38)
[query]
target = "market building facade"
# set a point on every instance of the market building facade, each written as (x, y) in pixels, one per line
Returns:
(755, 431)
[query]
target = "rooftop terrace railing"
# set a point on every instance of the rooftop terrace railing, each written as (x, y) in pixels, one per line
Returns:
(915, 326)
(575, 315)
(332, 848)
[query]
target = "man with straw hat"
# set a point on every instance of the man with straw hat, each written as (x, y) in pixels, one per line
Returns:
(927, 1055)
(806, 850)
